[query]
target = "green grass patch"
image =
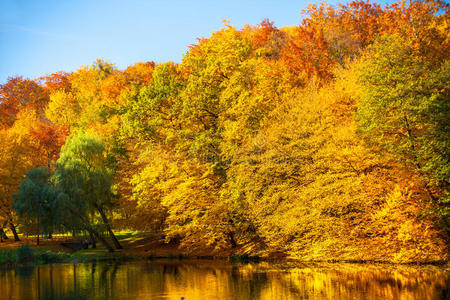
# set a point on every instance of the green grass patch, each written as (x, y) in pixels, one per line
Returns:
(27, 255)
(97, 255)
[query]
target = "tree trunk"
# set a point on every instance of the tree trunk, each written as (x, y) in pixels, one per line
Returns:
(101, 239)
(13, 229)
(3, 234)
(92, 240)
(111, 234)
(50, 234)
(416, 159)
(94, 233)
(37, 237)
(232, 239)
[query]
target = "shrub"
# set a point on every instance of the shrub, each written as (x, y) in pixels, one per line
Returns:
(8, 257)
(25, 254)
(48, 257)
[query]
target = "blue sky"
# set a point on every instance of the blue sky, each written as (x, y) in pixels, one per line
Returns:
(39, 37)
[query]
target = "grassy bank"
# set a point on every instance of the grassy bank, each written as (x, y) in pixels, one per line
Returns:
(52, 253)
(136, 246)
(28, 255)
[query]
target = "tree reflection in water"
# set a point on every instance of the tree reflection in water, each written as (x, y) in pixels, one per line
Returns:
(220, 280)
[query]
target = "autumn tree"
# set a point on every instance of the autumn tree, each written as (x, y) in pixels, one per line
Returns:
(54, 82)
(403, 111)
(49, 139)
(305, 55)
(80, 104)
(18, 94)
(15, 160)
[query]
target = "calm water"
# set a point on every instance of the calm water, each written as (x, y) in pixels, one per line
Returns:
(220, 280)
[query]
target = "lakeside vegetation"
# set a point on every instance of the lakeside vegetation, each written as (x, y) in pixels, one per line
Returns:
(25, 255)
(137, 247)
(325, 141)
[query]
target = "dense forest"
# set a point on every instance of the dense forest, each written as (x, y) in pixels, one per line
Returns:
(325, 140)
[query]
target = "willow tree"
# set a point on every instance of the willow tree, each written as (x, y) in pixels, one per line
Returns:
(37, 202)
(84, 174)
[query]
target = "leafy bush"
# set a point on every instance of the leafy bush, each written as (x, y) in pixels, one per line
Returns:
(8, 257)
(25, 254)
(48, 257)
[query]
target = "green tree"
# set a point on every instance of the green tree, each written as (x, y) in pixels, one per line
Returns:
(37, 201)
(85, 175)
(404, 112)
(151, 112)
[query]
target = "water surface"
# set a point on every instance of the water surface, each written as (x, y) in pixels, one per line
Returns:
(193, 279)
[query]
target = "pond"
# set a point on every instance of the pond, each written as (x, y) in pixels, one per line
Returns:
(196, 279)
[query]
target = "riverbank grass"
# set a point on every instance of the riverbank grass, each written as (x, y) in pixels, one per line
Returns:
(27, 255)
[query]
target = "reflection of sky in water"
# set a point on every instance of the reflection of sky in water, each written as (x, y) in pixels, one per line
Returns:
(219, 280)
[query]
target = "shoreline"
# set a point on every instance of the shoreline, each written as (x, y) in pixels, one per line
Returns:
(145, 246)
(42, 256)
